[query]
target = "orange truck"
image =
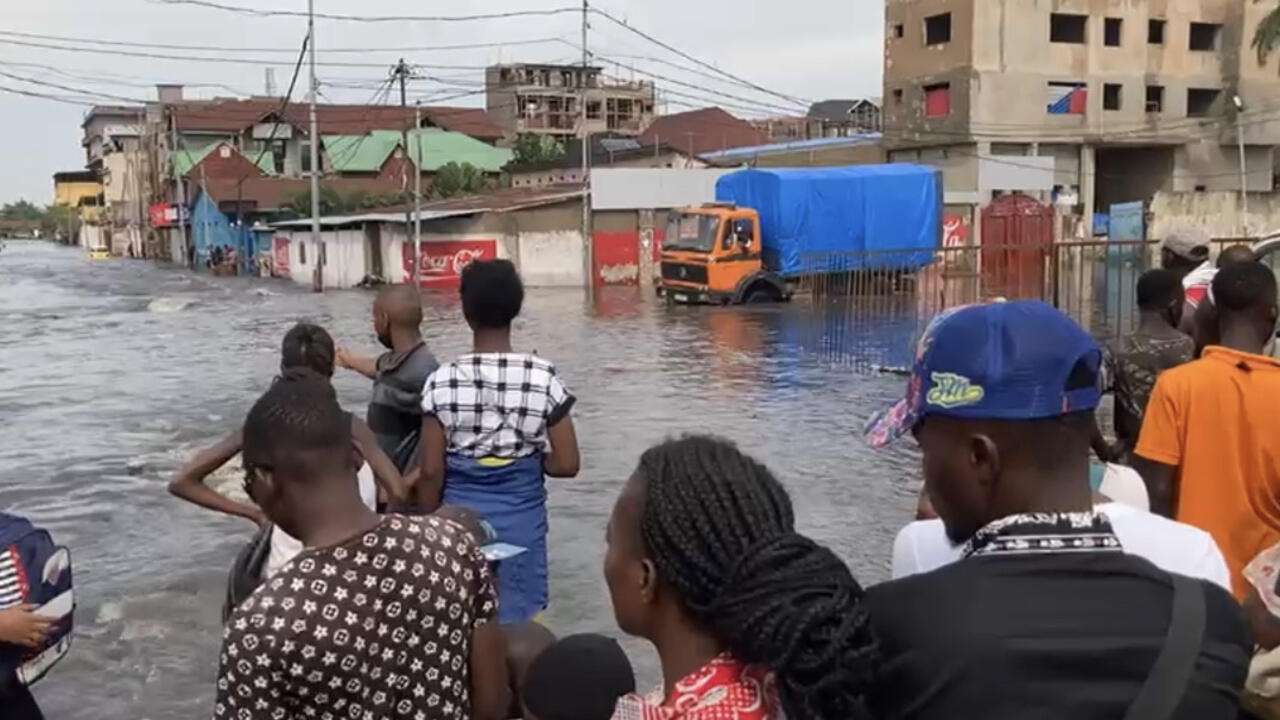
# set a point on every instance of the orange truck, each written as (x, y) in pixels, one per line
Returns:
(770, 227)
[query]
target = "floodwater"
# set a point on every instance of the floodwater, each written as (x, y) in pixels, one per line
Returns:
(112, 372)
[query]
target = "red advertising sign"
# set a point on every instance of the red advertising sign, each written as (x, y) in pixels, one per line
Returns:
(280, 256)
(441, 261)
(955, 230)
(163, 215)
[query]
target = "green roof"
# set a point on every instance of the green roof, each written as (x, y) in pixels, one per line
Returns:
(186, 158)
(360, 153)
(437, 148)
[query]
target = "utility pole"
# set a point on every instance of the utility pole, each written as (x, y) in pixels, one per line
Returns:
(318, 277)
(401, 71)
(589, 253)
(417, 187)
(187, 256)
(1244, 172)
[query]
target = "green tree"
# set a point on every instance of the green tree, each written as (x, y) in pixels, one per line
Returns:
(60, 221)
(1267, 37)
(22, 210)
(330, 202)
(533, 149)
(455, 179)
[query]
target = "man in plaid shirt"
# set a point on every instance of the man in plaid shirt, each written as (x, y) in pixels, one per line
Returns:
(495, 423)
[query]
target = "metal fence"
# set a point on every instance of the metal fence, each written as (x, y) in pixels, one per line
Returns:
(892, 294)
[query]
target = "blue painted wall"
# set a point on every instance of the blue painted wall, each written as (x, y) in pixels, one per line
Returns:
(210, 227)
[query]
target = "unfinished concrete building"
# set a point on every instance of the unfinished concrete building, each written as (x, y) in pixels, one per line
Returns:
(1127, 97)
(544, 100)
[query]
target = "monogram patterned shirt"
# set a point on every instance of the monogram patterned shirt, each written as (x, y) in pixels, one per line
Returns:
(376, 628)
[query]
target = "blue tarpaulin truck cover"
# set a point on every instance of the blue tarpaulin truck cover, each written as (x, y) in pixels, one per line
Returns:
(818, 220)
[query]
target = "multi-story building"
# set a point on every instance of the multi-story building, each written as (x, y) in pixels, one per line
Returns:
(1126, 97)
(544, 100)
(117, 150)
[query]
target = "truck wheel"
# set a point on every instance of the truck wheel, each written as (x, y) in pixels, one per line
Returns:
(759, 295)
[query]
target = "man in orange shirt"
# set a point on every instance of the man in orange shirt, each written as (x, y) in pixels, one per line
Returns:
(1209, 450)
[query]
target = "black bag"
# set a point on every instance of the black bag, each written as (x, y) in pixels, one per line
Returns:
(246, 571)
(1167, 684)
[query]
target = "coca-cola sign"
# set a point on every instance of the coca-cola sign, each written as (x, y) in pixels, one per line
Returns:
(441, 261)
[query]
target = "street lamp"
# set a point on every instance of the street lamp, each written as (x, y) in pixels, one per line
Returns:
(1244, 174)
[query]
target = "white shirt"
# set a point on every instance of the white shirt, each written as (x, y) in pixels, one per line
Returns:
(284, 547)
(1171, 546)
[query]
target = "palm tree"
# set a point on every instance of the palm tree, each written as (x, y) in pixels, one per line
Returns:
(1267, 37)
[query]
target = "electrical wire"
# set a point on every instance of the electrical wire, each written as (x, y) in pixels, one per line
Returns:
(209, 58)
(226, 49)
(116, 80)
(629, 28)
(58, 86)
(258, 12)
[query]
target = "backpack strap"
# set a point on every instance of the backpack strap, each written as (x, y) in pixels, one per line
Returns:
(1166, 685)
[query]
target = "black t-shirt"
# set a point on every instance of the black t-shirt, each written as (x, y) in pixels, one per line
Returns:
(1065, 635)
(395, 411)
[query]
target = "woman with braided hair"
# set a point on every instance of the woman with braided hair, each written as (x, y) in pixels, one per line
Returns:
(751, 620)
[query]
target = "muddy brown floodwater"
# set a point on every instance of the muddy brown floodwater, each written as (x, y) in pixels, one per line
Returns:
(111, 372)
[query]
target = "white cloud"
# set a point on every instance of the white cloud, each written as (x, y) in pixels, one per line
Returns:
(810, 49)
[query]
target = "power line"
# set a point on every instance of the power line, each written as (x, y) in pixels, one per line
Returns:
(371, 18)
(626, 26)
(681, 83)
(207, 58)
(68, 99)
(57, 86)
(117, 80)
(227, 49)
(284, 105)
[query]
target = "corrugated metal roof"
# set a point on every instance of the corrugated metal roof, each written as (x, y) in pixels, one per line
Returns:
(433, 149)
(700, 131)
(502, 201)
(184, 159)
(751, 151)
(391, 217)
(235, 115)
(360, 153)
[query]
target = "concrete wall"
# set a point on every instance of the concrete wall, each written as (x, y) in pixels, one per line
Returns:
(1217, 212)
(1002, 49)
(551, 258)
(538, 178)
(868, 154)
(345, 251)
(959, 164)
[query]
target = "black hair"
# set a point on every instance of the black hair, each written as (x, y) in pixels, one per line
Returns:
(1158, 289)
(1244, 287)
(295, 417)
(492, 294)
(1236, 254)
(721, 530)
(580, 677)
(307, 346)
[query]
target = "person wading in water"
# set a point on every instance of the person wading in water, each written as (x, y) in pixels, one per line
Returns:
(307, 351)
(395, 410)
(495, 423)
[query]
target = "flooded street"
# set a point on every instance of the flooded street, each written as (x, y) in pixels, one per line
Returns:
(112, 372)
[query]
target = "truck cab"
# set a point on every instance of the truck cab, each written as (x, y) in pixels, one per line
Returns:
(712, 254)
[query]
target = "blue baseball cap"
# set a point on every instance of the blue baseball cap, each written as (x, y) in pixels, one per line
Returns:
(1020, 360)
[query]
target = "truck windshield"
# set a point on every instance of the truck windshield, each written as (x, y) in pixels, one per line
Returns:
(692, 232)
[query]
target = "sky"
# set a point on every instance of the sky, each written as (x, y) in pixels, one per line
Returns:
(803, 50)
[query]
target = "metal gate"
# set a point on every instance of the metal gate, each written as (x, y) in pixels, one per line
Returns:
(1017, 237)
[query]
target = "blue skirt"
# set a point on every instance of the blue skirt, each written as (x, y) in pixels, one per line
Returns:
(512, 496)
